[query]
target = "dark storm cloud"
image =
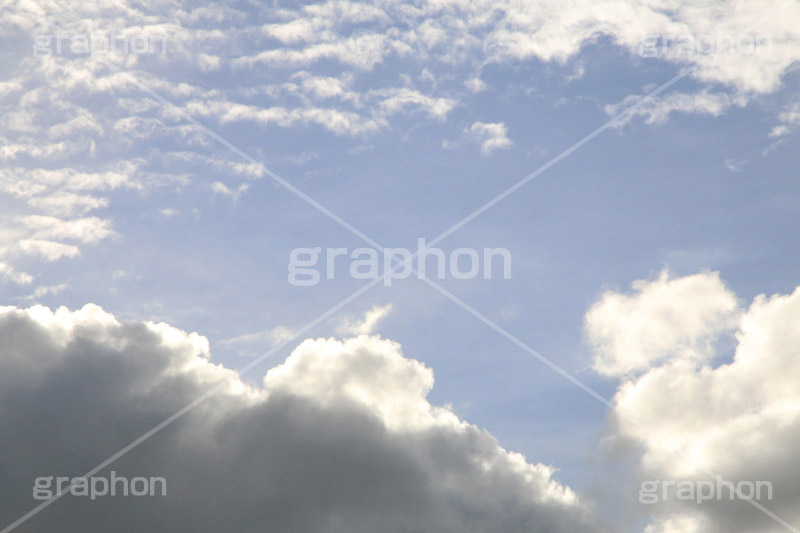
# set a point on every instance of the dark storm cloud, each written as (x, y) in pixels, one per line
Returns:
(340, 439)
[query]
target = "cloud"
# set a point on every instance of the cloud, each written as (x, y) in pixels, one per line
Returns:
(20, 278)
(209, 62)
(658, 110)
(735, 165)
(234, 194)
(50, 221)
(730, 408)
(790, 119)
(364, 52)
(367, 325)
(68, 204)
(90, 230)
(780, 130)
(507, 32)
(44, 236)
(340, 122)
(324, 87)
(663, 318)
(395, 100)
(169, 212)
(48, 250)
(549, 32)
(340, 437)
(475, 85)
(74, 129)
(45, 290)
(491, 136)
(254, 344)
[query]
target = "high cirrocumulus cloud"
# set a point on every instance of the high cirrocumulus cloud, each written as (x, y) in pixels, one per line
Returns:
(340, 438)
(693, 407)
(74, 124)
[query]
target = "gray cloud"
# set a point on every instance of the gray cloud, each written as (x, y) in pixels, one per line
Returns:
(340, 438)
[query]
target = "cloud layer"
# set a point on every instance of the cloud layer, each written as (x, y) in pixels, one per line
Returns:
(76, 126)
(693, 407)
(340, 438)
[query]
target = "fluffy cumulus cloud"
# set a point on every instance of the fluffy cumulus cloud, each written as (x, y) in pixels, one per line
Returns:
(339, 438)
(693, 410)
(676, 318)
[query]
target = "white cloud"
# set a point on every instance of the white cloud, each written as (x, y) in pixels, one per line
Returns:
(363, 52)
(47, 116)
(27, 182)
(340, 122)
(341, 437)
(366, 325)
(169, 212)
(491, 136)
(234, 194)
(658, 110)
(393, 101)
(9, 273)
(233, 166)
(679, 524)
(89, 230)
(735, 165)
(324, 87)
(209, 62)
(780, 130)
(62, 203)
(790, 119)
(48, 250)
(254, 344)
(700, 408)
(677, 318)
(550, 32)
(510, 31)
(85, 124)
(51, 222)
(475, 85)
(45, 290)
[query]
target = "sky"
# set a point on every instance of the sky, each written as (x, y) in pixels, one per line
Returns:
(637, 160)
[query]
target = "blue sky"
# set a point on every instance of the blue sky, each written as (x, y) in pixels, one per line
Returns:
(376, 112)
